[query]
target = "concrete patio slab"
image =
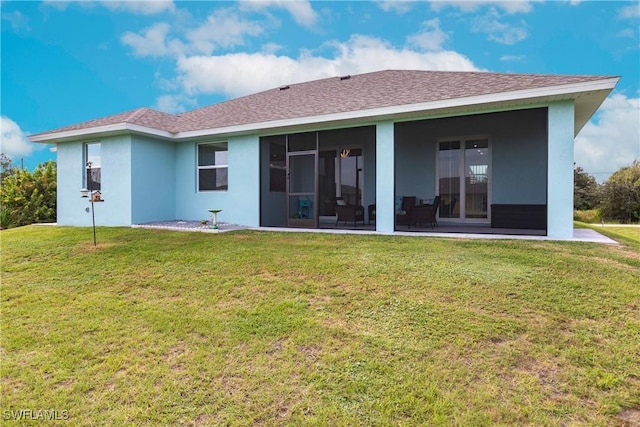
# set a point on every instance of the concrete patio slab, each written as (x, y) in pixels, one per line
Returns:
(579, 234)
(180, 225)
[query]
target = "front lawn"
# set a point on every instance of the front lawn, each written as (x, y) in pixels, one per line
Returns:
(264, 328)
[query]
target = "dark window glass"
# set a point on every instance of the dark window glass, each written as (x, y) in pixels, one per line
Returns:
(213, 167)
(93, 178)
(213, 179)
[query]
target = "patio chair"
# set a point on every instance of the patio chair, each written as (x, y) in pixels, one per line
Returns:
(348, 213)
(402, 217)
(424, 214)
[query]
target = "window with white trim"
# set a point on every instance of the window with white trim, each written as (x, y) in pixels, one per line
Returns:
(93, 175)
(213, 167)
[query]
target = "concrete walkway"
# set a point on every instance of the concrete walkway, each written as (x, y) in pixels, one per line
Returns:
(579, 234)
(179, 225)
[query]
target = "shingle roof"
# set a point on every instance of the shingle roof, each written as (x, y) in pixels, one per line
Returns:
(142, 116)
(337, 95)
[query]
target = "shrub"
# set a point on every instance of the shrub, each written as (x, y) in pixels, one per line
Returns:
(591, 216)
(621, 195)
(29, 197)
(586, 190)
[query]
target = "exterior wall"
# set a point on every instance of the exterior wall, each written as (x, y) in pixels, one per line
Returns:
(153, 178)
(145, 179)
(240, 203)
(116, 183)
(560, 166)
(415, 153)
(518, 149)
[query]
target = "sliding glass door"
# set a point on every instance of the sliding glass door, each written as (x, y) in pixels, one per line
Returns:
(464, 179)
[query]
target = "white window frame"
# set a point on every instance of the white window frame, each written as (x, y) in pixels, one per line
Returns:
(209, 167)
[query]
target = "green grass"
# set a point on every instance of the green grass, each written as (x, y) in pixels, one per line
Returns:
(591, 216)
(261, 328)
(628, 235)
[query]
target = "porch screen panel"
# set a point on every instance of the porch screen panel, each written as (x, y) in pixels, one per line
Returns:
(476, 160)
(351, 177)
(449, 178)
(327, 182)
(303, 141)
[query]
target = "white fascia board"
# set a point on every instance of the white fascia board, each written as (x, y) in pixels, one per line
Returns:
(528, 95)
(100, 131)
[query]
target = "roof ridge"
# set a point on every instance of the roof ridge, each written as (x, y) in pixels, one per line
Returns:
(136, 114)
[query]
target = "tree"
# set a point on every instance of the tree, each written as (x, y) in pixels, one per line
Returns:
(6, 167)
(27, 197)
(586, 191)
(621, 194)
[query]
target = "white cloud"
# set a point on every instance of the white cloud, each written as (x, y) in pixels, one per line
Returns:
(153, 41)
(141, 7)
(222, 29)
(431, 37)
(13, 142)
(174, 103)
(301, 11)
(499, 31)
(611, 139)
(17, 20)
(56, 4)
(626, 33)
(513, 58)
(238, 74)
(398, 6)
(509, 6)
(630, 12)
(271, 48)
(138, 7)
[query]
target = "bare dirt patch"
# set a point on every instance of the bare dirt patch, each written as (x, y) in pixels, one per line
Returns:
(631, 416)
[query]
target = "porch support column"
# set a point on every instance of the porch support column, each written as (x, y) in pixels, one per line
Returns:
(385, 177)
(560, 170)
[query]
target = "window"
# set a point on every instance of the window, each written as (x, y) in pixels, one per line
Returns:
(212, 167)
(93, 176)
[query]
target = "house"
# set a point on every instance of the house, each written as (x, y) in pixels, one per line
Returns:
(496, 148)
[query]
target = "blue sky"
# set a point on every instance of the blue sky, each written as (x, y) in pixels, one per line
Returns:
(65, 62)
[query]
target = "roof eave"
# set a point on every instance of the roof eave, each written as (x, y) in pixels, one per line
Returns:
(100, 132)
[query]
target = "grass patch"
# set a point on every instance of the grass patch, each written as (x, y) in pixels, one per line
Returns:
(256, 328)
(627, 235)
